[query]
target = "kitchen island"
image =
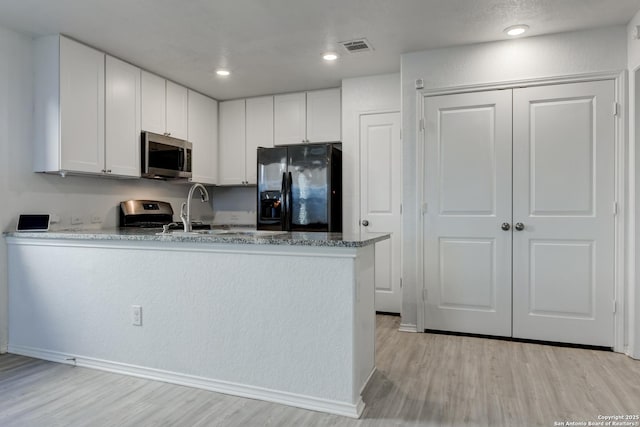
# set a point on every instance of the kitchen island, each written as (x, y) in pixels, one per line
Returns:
(284, 317)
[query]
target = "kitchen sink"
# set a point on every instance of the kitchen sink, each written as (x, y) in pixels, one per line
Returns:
(191, 233)
(225, 233)
(245, 233)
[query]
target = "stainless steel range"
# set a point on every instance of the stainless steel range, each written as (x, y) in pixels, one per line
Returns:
(152, 214)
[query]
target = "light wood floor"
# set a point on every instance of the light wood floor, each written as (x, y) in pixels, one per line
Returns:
(422, 380)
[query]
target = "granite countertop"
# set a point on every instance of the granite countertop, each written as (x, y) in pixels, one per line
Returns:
(232, 236)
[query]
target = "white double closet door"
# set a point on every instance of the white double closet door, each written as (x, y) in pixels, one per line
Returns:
(519, 215)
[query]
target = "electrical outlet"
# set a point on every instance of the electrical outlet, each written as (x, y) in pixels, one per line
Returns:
(75, 220)
(136, 315)
(96, 219)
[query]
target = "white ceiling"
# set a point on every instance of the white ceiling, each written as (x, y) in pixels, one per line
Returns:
(274, 46)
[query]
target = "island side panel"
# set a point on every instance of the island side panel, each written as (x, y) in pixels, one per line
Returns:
(364, 319)
(276, 321)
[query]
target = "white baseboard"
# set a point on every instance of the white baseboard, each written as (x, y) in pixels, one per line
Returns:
(408, 327)
(225, 387)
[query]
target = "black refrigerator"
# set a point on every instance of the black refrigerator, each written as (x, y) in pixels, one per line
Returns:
(300, 188)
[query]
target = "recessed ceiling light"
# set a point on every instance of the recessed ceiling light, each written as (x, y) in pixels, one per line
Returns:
(222, 72)
(516, 30)
(330, 56)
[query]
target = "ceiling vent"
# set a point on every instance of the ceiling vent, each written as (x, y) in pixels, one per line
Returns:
(357, 46)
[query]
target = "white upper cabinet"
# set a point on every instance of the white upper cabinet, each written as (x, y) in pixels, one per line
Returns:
(306, 117)
(245, 125)
(232, 143)
(164, 106)
(177, 110)
(122, 118)
(69, 107)
(289, 118)
(154, 103)
(203, 134)
(90, 109)
(259, 128)
(324, 115)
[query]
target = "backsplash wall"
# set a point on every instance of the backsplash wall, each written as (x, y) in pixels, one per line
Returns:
(234, 205)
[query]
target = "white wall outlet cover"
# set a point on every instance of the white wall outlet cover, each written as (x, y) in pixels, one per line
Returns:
(136, 315)
(75, 220)
(96, 219)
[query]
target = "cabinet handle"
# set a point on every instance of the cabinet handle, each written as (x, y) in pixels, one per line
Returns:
(505, 226)
(108, 170)
(104, 171)
(519, 226)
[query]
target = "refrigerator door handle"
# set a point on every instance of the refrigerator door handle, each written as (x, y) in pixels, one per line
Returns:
(289, 201)
(283, 197)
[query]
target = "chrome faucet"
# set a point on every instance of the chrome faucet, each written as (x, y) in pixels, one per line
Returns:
(186, 216)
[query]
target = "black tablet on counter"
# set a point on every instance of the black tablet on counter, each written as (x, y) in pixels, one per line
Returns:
(33, 222)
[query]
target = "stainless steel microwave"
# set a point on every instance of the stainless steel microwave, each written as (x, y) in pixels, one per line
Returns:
(165, 157)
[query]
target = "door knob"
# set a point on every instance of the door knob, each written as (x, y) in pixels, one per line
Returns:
(365, 222)
(505, 226)
(519, 226)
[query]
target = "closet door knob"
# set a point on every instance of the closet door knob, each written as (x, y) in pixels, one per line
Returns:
(519, 226)
(505, 226)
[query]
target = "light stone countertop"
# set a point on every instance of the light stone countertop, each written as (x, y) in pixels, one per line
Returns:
(232, 236)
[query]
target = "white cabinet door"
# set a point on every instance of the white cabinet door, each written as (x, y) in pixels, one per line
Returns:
(324, 116)
(177, 110)
(467, 184)
(81, 107)
(259, 126)
(556, 259)
(563, 194)
(122, 118)
(380, 199)
(202, 123)
(231, 162)
(154, 103)
(290, 121)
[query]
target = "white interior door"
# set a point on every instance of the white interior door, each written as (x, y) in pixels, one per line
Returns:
(467, 190)
(563, 186)
(380, 199)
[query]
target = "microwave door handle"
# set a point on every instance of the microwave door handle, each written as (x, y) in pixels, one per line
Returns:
(181, 160)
